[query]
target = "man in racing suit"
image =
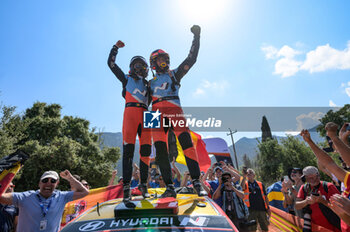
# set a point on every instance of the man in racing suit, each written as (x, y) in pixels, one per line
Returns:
(136, 94)
(165, 99)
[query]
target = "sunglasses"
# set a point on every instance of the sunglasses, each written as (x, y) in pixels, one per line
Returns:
(86, 184)
(47, 179)
(11, 186)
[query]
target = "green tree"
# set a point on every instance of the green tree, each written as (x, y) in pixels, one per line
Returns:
(265, 129)
(11, 130)
(56, 143)
(296, 154)
(339, 117)
(269, 159)
(246, 161)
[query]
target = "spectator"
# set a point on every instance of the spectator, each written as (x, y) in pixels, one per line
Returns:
(290, 191)
(186, 179)
(86, 184)
(161, 182)
(77, 177)
(340, 144)
(135, 176)
(275, 195)
(42, 210)
(154, 182)
(205, 184)
(231, 196)
(313, 197)
(114, 174)
(8, 214)
(215, 183)
(256, 200)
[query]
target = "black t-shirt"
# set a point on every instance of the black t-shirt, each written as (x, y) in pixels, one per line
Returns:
(255, 198)
(7, 217)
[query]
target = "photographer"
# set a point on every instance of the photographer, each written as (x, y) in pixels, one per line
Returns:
(340, 145)
(313, 198)
(290, 189)
(231, 196)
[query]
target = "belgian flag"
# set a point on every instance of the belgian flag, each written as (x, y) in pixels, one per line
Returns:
(9, 166)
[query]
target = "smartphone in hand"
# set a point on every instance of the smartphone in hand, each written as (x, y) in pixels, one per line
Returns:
(348, 127)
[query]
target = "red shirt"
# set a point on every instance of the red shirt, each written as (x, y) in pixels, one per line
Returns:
(346, 193)
(317, 216)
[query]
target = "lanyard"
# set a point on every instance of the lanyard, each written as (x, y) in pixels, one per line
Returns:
(43, 210)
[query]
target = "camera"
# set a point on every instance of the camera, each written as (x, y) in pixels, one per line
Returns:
(217, 164)
(225, 179)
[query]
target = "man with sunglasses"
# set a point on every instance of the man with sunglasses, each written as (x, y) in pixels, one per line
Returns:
(41, 210)
(8, 214)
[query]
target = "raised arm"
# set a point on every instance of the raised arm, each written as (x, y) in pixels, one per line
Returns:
(324, 159)
(80, 190)
(192, 56)
(344, 133)
(217, 193)
(341, 147)
(185, 179)
(113, 66)
(114, 174)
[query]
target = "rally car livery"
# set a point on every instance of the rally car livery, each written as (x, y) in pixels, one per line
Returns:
(187, 212)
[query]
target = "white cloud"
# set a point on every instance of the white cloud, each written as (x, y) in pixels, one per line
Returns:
(346, 87)
(199, 92)
(206, 87)
(323, 58)
(307, 121)
(292, 133)
(347, 91)
(287, 67)
(332, 104)
(288, 52)
(270, 52)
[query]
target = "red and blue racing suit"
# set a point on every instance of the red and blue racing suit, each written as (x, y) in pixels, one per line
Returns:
(165, 98)
(136, 94)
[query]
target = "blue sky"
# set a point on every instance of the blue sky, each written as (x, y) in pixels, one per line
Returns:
(253, 53)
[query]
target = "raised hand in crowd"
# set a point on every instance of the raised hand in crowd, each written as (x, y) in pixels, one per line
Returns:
(80, 189)
(344, 133)
(341, 206)
(339, 145)
(208, 173)
(114, 174)
(185, 179)
(324, 159)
